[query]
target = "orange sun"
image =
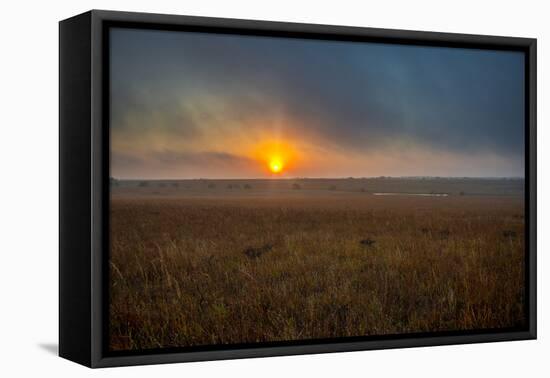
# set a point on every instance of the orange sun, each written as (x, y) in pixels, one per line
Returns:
(275, 165)
(276, 156)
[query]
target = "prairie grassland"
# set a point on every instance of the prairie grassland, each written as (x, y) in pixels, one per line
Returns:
(188, 271)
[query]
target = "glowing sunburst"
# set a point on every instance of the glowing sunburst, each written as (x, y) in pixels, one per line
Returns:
(275, 165)
(276, 156)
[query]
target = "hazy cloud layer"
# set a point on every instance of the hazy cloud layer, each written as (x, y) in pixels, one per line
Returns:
(187, 103)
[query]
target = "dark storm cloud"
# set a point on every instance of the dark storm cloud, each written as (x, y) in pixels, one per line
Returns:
(206, 159)
(191, 164)
(355, 95)
(167, 157)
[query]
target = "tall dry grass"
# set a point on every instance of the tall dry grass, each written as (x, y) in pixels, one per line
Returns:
(180, 274)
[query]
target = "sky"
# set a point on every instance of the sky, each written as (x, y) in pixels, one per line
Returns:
(199, 105)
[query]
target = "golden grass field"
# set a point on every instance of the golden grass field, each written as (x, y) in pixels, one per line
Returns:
(235, 266)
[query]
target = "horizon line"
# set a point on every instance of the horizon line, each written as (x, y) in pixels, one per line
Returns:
(324, 178)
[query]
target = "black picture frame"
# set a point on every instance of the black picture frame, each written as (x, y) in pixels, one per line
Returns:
(84, 185)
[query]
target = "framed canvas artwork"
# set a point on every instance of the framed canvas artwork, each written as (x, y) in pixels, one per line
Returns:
(234, 188)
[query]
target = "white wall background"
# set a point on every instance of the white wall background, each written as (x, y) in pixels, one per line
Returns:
(29, 189)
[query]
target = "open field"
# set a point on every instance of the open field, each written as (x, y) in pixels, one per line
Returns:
(324, 187)
(196, 262)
